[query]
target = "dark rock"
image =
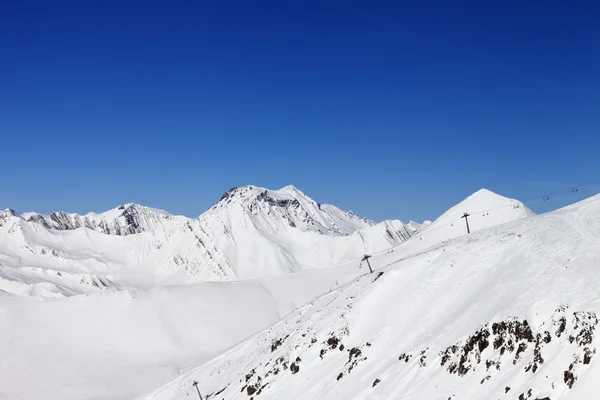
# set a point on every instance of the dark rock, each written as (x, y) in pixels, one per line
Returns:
(569, 378)
(587, 355)
(294, 368)
(332, 342)
(355, 352)
(250, 390)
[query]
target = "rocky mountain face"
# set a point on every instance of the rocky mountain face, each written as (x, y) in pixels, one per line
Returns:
(294, 207)
(124, 220)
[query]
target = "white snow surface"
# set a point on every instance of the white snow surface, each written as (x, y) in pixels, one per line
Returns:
(506, 312)
(118, 345)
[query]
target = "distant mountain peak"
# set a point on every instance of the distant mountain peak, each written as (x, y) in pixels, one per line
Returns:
(126, 219)
(290, 188)
(292, 207)
(7, 215)
(486, 209)
(9, 211)
(249, 193)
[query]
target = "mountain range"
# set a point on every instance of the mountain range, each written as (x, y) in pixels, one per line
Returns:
(249, 233)
(269, 285)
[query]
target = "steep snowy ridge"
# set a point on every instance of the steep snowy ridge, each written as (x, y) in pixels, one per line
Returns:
(508, 312)
(124, 220)
(250, 233)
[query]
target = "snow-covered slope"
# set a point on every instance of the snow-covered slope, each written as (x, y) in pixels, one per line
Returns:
(250, 233)
(117, 345)
(509, 312)
(485, 208)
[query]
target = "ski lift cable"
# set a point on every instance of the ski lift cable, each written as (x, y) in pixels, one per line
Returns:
(572, 189)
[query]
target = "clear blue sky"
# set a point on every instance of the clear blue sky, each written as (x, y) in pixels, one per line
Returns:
(393, 110)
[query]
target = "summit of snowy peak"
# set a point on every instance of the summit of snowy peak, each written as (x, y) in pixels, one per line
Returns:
(290, 189)
(485, 200)
(484, 208)
(291, 207)
(251, 192)
(484, 194)
(9, 211)
(6, 215)
(131, 207)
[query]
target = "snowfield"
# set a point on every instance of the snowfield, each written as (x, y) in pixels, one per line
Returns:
(118, 345)
(445, 315)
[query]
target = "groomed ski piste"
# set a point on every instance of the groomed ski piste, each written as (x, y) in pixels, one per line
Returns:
(508, 310)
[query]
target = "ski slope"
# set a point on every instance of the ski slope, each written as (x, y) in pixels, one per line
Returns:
(504, 313)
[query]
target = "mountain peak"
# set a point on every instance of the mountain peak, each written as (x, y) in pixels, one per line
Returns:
(6, 215)
(291, 207)
(289, 188)
(486, 195)
(485, 209)
(9, 211)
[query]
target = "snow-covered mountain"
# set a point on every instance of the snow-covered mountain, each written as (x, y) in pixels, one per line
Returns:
(508, 312)
(486, 209)
(291, 206)
(130, 342)
(249, 233)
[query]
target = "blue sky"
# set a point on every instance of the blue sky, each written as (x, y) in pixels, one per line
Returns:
(393, 109)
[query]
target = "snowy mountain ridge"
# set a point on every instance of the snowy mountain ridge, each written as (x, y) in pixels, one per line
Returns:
(249, 233)
(124, 220)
